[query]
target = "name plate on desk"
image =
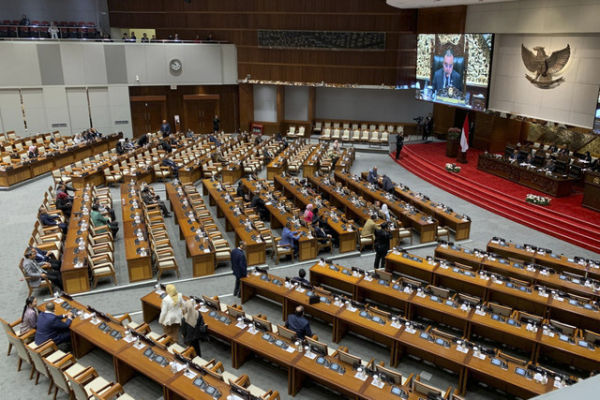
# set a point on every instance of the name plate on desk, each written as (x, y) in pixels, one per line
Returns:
(379, 384)
(190, 374)
(310, 355)
(350, 308)
(480, 312)
(139, 345)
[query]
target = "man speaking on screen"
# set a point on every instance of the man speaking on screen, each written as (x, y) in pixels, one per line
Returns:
(447, 76)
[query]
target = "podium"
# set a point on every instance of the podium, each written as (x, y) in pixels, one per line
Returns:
(591, 191)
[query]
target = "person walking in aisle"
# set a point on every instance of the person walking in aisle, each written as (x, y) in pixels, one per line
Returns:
(171, 312)
(239, 265)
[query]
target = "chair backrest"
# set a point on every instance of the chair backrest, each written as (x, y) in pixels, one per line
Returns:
(7, 328)
(38, 361)
(20, 346)
(57, 376)
(78, 389)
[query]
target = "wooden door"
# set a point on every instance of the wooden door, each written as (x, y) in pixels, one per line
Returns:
(199, 111)
(147, 113)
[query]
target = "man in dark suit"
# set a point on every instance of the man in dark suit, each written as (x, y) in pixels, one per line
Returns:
(216, 123)
(447, 76)
(301, 278)
(165, 128)
(387, 184)
(51, 327)
(298, 323)
(239, 265)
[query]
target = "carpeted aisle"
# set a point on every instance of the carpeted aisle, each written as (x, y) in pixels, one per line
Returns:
(565, 218)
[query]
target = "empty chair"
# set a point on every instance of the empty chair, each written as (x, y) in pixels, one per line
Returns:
(364, 137)
(346, 135)
(326, 135)
(281, 251)
(384, 139)
(336, 134)
(374, 138)
(355, 135)
(442, 231)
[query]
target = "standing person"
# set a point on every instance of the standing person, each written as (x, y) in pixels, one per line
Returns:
(239, 265)
(171, 312)
(216, 123)
(399, 145)
(308, 214)
(29, 316)
(53, 31)
(382, 245)
(165, 128)
(192, 326)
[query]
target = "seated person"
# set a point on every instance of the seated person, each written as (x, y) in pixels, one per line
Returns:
(167, 162)
(64, 202)
(213, 139)
(36, 271)
(290, 238)
(301, 278)
(369, 227)
(372, 177)
(387, 184)
(105, 210)
(52, 220)
(29, 316)
(100, 220)
(298, 323)
(51, 327)
(43, 256)
(149, 198)
(33, 151)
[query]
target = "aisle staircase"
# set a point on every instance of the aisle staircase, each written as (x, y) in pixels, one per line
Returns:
(574, 230)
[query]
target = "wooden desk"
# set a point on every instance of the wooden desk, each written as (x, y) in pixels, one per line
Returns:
(591, 190)
(255, 246)
(487, 289)
(559, 262)
(199, 249)
(401, 341)
(139, 265)
(345, 233)
(74, 267)
(553, 185)
(19, 172)
(417, 220)
(307, 244)
(517, 270)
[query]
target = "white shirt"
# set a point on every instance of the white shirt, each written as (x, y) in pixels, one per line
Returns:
(171, 313)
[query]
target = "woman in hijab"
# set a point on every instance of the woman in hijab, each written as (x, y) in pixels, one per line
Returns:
(308, 214)
(171, 312)
(192, 326)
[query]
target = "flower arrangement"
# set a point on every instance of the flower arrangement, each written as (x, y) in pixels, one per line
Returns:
(452, 168)
(538, 200)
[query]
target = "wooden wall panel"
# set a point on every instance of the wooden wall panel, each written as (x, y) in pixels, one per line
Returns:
(442, 19)
(246, 97)
(228, 101)
(239, 21)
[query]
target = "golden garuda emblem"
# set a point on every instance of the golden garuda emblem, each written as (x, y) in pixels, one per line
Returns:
(546, 69)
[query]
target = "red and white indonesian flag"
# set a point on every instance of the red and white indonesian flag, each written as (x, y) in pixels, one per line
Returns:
(464, 136)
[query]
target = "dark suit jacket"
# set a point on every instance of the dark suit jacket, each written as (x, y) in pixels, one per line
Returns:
(50, 326)
(438, 80)
(238, 263)
(299, 325)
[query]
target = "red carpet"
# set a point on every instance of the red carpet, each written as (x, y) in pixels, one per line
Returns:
(565, 218)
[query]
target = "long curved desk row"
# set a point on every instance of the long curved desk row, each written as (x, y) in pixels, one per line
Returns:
(132, 357)
(326, 369)
(513, 330)
(508, 292)
(503, 373)
(16, 173)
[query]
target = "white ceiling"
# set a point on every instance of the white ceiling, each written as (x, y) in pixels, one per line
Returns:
(437, 3)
